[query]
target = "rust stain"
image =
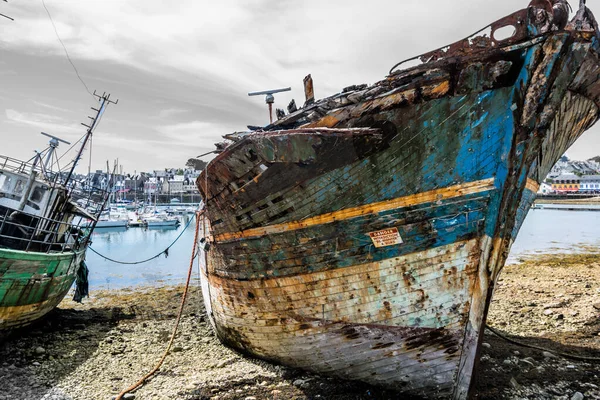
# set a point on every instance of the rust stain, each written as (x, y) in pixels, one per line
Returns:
(309, 289)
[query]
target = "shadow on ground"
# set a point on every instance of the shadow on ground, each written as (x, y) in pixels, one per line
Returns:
(34, 358)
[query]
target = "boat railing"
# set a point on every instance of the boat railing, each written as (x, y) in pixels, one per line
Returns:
(25, 232)
(18, 166)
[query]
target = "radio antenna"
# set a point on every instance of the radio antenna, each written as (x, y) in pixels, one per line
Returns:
(270, 99)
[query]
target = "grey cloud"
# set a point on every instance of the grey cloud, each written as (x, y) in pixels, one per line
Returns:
(182, 71)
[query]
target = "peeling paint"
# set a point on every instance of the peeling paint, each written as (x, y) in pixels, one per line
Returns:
(448, 154)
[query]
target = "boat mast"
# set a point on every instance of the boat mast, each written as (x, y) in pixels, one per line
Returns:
(104, 102)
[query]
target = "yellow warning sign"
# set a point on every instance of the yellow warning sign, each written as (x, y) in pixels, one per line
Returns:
(386, 237)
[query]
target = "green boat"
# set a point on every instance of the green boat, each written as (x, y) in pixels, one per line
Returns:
(47, 217)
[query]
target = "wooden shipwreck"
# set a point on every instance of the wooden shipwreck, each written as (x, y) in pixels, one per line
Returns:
(361, 235)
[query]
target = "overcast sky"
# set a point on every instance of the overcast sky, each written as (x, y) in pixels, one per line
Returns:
(182, 69)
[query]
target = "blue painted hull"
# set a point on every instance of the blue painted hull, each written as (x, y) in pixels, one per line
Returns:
(443, 165)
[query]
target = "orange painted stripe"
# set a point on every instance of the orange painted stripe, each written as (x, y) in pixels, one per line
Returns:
(374, 208)
(532, 185)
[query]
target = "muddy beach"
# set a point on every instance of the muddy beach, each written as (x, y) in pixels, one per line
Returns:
(94, 350)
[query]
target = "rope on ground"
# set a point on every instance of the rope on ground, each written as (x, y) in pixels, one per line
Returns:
(183, 298)
(560, 353)
(165, 251)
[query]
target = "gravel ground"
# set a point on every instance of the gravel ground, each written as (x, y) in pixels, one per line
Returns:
(94, 350)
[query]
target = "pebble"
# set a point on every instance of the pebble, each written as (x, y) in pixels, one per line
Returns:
(126, 396)
(577, 396)
(525, 361)
(40, 350)
(514, 384)
(486, 345)
(547, 354)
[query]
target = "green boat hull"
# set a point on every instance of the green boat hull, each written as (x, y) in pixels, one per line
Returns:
(32, 284)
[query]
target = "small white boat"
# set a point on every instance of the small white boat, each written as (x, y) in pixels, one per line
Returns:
(161, 221)
(115, 218)
(155, 218)
(112, 223)
(135, 219)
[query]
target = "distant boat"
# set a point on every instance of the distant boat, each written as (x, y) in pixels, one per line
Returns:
(135, 219)
(114, 218)
(155, 218)
(43, 239)
(161, 221)
(112, 223)
(361, 235)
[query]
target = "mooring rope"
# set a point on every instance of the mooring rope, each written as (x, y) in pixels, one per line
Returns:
(165, 251)
(560, 353)
(183, 298)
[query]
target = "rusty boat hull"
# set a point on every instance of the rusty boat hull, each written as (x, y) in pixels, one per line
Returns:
(361, 236)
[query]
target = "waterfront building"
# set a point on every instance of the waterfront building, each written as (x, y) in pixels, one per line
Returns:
(566, 183)
(590, 184)
(175, 185)
(190, 188)
(152, 186)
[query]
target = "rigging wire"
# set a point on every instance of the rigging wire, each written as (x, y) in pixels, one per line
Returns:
(65, 48)
(79, 141)
(72, 147)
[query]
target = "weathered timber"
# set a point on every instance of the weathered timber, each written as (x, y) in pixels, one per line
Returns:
(361, 236)
(44, 232)
(33, 284)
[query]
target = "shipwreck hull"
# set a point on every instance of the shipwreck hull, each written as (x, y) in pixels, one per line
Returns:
(32, 284)
(364, 241)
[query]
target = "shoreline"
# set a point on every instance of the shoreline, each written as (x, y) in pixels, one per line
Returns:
(593, 201)
(95, 349)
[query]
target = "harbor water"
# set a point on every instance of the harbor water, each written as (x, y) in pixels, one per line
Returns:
(544, 231)
(135, 244)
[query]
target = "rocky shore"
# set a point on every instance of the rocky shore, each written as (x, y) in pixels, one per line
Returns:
(94, 350)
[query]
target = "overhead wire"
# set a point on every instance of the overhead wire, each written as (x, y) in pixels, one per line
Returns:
(65, 49)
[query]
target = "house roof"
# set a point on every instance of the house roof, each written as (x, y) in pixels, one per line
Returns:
(567, 177)
(590, 178)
